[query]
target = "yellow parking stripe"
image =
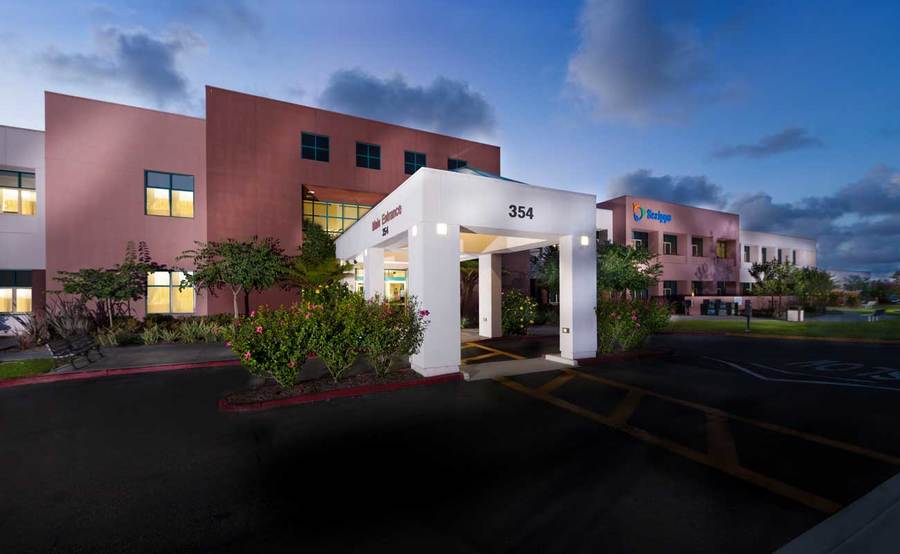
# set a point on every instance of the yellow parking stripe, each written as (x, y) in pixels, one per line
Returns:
(719, 440)
(556, 382)
(862, 451)
(480, 357)
(495, 350)
(626, 407)
(799, 495)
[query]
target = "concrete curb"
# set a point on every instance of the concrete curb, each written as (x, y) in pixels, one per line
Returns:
(225, 406)
(627, 356)
(785, 337)
(100, 373)
(871, 524)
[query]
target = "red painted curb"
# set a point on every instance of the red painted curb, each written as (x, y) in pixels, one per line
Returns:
(97, 374)
(225, 406)
(782, 337)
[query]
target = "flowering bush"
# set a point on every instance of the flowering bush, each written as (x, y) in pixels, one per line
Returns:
(392, 331)
(273, 342)
(624, 324)
(337, 333)
(519, 311)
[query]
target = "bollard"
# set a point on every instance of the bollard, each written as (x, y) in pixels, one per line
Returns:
(748, 309)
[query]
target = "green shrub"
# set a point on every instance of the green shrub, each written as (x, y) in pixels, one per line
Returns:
(624, 324)
(164, 321)
(274, 342)
(519, 311)
(151, 334)
(193, 330)
(169, 335)
(392, 331)
(127, 338)
(338, 326)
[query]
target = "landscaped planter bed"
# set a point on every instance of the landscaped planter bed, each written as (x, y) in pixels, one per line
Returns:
(271, 395)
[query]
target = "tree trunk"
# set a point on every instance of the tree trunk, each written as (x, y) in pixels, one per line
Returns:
(234, 303)
(246, 302)
(109, 309)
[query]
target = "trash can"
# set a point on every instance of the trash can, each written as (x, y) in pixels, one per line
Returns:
(718, 307)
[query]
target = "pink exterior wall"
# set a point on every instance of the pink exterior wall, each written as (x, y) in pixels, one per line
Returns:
(686, 222)
(256, 174)
(96, 154)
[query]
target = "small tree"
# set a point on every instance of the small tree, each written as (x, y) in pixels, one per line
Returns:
(316, 265)
(240, 266)
(774, 278)
(546, 268)
(813, 287)
(624, 268)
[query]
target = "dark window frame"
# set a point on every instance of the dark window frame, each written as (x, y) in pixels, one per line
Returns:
(170, 188)
(698, 242)
(172, 288)
(673, 251)
(369, 159)
(644, 239)
(19, 188)
(456, 163)
(672, 287)
(311, 216)
(746, 253)
(410, 167)
(15, 279)
(318, 153)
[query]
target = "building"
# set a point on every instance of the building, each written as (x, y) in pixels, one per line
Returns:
(703, 252)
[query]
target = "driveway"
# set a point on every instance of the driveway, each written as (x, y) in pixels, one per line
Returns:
(147, 462)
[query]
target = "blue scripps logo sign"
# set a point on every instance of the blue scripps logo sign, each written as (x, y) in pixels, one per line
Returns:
(638, 213)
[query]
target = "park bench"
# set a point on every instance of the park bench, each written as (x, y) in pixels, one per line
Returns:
(876, 315)
(70, 349)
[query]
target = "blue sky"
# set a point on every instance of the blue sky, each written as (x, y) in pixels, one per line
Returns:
(787, 112)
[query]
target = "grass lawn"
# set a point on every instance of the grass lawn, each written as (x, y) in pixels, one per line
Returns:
(24, 368)
(893, 309)
(830, 329)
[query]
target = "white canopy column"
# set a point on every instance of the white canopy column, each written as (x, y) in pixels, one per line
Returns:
(489, 306)
(577, 297)
(433, 279)
(373, 272)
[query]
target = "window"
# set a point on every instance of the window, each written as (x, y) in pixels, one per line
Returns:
(765, 255)
(412, 161)
(334, 217)
(315, 147)
(640, 240)
(747, 288)
(603, 236)
(168, 194)
(696, 246)
(794, 257)
(779, 256)
(165, 296)
(721, 249)
(747, 254)
(453, 163)
(17, 194)
(720, 288)
(670, 244)
(15, 292)
(670, 288)
(697, 288)
(368, 155)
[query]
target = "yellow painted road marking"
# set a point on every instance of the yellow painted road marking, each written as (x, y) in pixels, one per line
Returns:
(626, 407)
(495, 350)
(480, 357)
(556, 382)
(799, 495)
(862, 451)
(719, 440)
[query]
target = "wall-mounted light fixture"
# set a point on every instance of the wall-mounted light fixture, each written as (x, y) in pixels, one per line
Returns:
(585, 240)
(414, 230)
(441, 228)
(564, 330)
(365, 253)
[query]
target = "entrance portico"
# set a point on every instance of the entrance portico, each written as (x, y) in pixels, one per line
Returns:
(437, 218)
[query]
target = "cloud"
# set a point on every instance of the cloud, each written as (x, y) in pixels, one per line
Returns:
(856, 227)
(692, 190)
(145, 63)
(234, 17)
(792, 138)
(632, 65)
(445, 105)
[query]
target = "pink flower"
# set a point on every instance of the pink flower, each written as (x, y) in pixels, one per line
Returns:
(307, 315)
(247, 355)
(228, 344)
(292, 364)
(252, 313)
(633, 317)
(424, 313)
(259, 330)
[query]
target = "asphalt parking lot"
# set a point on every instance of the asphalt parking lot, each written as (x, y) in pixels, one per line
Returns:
(684, 454)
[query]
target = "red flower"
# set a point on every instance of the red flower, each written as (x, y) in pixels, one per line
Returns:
(247, 355)
(259, 330)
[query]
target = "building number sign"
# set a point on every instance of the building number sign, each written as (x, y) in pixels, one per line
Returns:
(521, 212)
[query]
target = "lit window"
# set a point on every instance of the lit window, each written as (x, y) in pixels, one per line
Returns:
(368, 155)
(168, 194)
(721, 249)
(334, 217)
(453, 163)
(15, 292)
(165, 295)
(17, 194)
(412, 161)
(314, 147)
